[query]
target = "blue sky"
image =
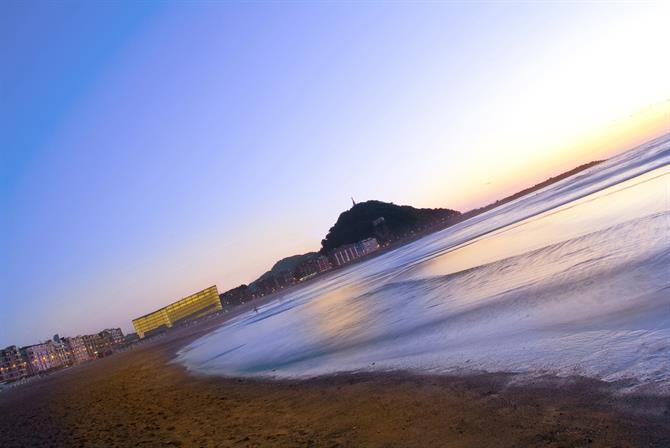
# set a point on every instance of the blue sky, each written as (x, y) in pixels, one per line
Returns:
(151, 149)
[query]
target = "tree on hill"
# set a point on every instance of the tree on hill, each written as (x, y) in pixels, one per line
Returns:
(358, 223)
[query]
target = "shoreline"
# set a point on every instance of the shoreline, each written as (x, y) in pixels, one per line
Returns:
(626, 388)
(142, 397)
(464, 216)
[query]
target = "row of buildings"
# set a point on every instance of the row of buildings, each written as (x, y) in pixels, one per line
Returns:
(17, 363)
(305, 270)
(349, 252)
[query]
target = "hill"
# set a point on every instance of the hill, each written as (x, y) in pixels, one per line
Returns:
(383, 220)
(286, 264)
(529, 190)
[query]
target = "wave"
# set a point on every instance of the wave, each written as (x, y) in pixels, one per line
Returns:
(579, 288)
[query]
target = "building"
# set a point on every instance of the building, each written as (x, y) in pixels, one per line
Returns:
(313, 266)
(12, 365)
(103, 344)
(76, 351)
(344, 254)
(97, 346)
(349, 252)
(196, 305)
(44, 357)
(367, 246)
(114, 336)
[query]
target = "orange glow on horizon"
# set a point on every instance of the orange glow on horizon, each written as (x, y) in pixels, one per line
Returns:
(618, 137)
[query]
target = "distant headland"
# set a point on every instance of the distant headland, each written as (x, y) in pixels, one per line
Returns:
(363, 229)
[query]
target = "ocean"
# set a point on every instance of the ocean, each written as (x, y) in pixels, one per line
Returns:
(572, 279)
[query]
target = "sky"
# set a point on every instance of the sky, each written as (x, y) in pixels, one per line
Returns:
(151, 149)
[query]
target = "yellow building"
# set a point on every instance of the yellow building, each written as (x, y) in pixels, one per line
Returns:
(199, 304)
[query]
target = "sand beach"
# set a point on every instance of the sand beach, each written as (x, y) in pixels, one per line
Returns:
(140, 398)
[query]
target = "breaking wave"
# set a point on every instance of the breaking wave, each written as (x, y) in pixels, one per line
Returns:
(571, 280)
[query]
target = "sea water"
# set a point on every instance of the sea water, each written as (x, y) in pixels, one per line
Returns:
(572, 279)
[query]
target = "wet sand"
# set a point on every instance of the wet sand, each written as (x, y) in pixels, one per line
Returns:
(139, 398)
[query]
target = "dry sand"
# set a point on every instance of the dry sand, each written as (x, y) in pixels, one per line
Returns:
(139, 398)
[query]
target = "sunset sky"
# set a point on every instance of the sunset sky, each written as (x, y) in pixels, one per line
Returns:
(152, 149)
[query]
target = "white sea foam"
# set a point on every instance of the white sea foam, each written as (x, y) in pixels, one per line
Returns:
(571, 279)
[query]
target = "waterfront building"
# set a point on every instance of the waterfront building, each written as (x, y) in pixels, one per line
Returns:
(76, 351)
(349, 252)
(44, 357)
(367, 246)
(97, 346)
(114, 336)
(196, 305)
(12, 365)
(344, 254)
